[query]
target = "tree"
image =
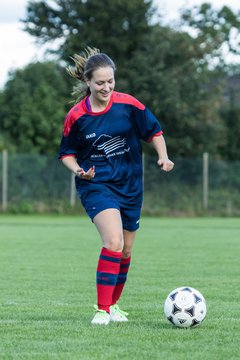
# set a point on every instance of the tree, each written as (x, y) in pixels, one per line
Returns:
(115, 27)
(216, 32)
(33, 107)
(181, 91)
(175, 72)
(231, 117)
(217, 36)
(230, 113)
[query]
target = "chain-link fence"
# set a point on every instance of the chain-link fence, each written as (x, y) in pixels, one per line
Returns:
(38, 183)
(196, 186)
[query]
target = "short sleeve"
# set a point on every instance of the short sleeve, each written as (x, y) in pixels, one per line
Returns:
(146, 124)
(68, 145)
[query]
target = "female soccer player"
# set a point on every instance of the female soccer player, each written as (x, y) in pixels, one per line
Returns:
(101, 145)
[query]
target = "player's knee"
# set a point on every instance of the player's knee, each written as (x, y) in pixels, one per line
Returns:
(115, 244)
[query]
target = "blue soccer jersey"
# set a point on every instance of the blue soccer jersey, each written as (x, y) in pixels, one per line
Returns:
(111, 141)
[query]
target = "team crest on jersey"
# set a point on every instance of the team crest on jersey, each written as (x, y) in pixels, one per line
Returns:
(107, 146)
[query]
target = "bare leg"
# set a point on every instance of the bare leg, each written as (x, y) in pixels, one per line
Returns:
(109, 226)
(129, 237)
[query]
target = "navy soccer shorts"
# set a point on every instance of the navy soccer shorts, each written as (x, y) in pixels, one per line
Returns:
(96, 198)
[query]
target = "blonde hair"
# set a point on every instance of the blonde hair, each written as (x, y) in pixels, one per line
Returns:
(90, 60)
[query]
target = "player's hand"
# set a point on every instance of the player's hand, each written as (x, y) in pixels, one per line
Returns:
(88, 175)
(165, 164)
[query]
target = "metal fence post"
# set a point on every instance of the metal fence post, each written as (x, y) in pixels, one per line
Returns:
(5, 180)
(205, 180)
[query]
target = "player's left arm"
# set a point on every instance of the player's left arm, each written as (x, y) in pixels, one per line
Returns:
(160, 146)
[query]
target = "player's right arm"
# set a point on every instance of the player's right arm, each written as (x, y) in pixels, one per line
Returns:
(71, 163)
(68, 146)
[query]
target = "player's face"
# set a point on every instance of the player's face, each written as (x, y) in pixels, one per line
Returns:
(102, 84)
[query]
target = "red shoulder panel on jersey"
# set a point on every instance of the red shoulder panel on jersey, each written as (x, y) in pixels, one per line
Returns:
(73, 115)
(127, 99)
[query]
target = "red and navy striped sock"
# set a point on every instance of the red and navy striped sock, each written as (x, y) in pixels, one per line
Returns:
(122, 278)
(107, 274)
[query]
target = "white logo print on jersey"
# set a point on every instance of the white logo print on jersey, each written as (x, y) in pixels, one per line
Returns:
(109, 146)
(89, 136)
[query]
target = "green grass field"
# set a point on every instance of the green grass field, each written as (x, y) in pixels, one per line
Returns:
(47, 290)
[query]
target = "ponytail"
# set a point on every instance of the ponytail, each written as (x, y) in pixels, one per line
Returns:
(91, 60)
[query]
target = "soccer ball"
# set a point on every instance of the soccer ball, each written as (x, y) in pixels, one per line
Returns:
(185, 307)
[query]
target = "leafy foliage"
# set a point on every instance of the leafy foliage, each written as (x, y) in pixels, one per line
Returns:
(33, 107)
(216, 32)
(174, 71)
(181, 92)
(115, 27)
(231, 117)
